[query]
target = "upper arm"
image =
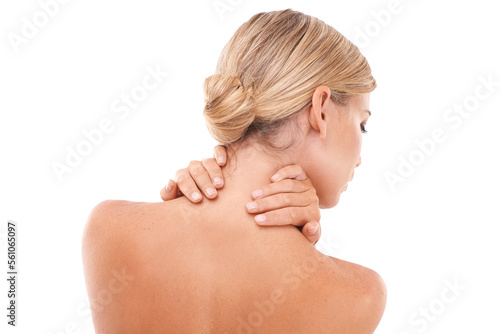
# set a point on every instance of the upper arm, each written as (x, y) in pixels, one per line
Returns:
(371, 303)
(358, 298)
(110, 266)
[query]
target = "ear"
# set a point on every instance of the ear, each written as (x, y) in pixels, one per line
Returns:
(317, 110)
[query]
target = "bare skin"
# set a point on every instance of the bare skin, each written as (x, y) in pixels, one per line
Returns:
(275, 200)
(208, 268)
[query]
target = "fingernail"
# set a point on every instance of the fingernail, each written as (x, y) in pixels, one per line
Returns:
(168, 187)
(275, 177)
(217, 181)
(313, 230)
(196, 196)
(220, 159)
(251, 206)
(260, 218)
(210, 191)
(257, 193)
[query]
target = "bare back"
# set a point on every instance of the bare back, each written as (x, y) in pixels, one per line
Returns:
(197, 269)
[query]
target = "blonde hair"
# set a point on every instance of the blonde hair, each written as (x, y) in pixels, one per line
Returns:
(269, 70)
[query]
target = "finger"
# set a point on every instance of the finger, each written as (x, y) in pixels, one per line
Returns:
(279, 201)
(312, 231)
(287, 216)
(287, 185)
(202, 178)
(214, 172)
(290, 172)
(186, 185)
(220, 154)
(169, 191)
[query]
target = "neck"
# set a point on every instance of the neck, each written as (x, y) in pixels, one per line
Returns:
(247, 169)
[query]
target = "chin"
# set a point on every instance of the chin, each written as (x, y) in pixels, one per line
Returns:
(329, 203)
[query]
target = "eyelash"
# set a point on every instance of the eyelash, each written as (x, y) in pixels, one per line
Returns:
(363, 129)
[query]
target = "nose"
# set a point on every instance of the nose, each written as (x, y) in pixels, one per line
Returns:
(359, 162)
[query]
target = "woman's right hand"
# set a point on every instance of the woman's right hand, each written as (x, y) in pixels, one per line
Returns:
(290, 199)
(205, 174)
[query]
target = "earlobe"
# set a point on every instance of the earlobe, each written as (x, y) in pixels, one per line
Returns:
(317, 110)
(322, 131)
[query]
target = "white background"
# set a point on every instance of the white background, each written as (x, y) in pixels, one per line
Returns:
(440, 224)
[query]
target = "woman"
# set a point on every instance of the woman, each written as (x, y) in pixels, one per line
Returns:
(288, 90)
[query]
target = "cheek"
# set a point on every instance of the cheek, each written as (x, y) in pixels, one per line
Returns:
(349, 150)
(323, 174)
(328, 177)
(331, 167)
(356, 148)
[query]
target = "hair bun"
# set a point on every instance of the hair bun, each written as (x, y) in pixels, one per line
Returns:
(269, 70)
(228, 107)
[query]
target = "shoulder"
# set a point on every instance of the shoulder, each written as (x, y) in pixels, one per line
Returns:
(105, 222)
(359, 294)
(112, 210)
(118, 246)
(123, 231)
(113, 237)
(338, 295)
(109, 212)
(114, 218)
(109, 222)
